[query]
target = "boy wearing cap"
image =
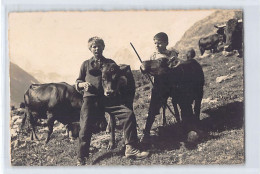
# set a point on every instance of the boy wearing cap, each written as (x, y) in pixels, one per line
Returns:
(93, 107)
(160, 92)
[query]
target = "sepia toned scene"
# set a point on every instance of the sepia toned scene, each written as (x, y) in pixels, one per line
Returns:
(120, 88)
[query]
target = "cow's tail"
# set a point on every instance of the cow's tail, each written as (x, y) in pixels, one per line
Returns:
(26, 109)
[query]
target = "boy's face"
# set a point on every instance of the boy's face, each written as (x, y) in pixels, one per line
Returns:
(188, 55)
(97, 50)
(160, 45)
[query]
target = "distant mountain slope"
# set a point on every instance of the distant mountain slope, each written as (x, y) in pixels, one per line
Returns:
(204, 28)
(20, 80)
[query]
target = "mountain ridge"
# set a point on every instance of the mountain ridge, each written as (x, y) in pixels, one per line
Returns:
(20, 80)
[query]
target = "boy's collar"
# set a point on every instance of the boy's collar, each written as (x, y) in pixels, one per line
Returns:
(164, 52)
(101, 58)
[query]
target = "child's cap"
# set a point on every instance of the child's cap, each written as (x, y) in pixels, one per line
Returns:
(161, 36)
(95, 40)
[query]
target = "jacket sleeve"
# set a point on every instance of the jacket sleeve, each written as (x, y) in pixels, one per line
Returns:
(81, 77)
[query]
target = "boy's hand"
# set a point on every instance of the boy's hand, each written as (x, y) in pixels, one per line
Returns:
(85, 85)
(142, 69)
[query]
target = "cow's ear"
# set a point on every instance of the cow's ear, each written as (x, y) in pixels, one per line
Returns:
(124, 68)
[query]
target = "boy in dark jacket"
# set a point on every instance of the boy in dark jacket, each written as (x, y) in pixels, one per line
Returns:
(90, 78)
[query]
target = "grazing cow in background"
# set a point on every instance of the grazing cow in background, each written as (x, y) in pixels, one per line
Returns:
(185, 82)
(211, 42)
(221, 31)
(119, 86)
(234, 36)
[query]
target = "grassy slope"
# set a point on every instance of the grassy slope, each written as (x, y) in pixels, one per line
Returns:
(223, 122)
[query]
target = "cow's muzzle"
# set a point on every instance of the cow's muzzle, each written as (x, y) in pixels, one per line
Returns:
(109, 93)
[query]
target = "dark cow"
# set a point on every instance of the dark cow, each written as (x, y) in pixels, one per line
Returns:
(118, 80)
(185, 82)
(118, 83)
(211, 42)
(234, 36)
(52, 101)
(55, 101)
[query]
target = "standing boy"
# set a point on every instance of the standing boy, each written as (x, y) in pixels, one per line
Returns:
(90, 77)
(160, 92)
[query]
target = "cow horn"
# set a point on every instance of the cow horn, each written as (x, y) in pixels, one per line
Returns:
(220, 26)
(240, 20)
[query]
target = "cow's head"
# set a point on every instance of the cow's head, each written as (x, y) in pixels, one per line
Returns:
(159, 66)
(221, 31)
(112, 78)
(233, 32)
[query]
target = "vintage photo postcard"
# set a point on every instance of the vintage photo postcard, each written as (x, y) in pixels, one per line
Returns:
(121, 88)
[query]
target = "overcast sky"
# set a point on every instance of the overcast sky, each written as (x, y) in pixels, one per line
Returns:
(57, 41)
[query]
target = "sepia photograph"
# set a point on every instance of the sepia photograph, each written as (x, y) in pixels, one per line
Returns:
(127, 87)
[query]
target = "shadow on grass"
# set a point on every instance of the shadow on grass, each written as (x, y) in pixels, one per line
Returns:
(230, 116)
(227, 117)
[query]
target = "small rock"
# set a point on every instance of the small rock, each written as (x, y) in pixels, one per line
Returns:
(200, 149)
(18, 121)
(225, 53)
(231, 68)
(192, 137)
(223, 78)
(59, 127)
(209, 100)
(204, 55)
(15, 117)
(15, 126)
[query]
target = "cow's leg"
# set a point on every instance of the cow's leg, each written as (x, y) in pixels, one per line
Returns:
(240, 53)
(50, 123)
(163, 114)
(197, 107)
(112, 143)
(202, 50)
(214, 50)
(176, 111)
(33, 123)
(187, 116)
(108, 129)
(68, 129)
